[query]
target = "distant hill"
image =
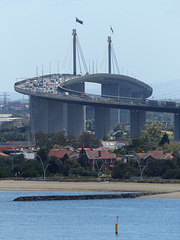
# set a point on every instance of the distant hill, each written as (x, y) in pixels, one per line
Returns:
(166, 90)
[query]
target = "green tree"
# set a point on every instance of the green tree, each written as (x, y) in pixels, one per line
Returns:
(6, 166)
(58, 139)
(118, 131)
(69, 164)
(56, 165)
(153, 168)
(83, 159)
(164, 139)
(153, 133)
(124, 170)
(42, 140)
(72, 141)
(90, 125)
(88, 140)
(118, 128)
(138, 143)
(43, 153)
(5, 172)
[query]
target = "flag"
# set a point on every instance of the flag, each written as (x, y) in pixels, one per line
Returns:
(79, 21)
(112, 30)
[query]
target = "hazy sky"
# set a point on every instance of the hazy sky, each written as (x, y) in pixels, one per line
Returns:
(146, 39)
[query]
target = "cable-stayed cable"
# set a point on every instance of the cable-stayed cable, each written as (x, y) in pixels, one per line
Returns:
(69, 51)
(115, 59)
(104, 58)
(82, 56)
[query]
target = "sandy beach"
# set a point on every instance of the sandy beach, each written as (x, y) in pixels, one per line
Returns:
(169, 190)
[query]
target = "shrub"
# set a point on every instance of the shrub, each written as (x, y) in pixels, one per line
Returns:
(124, 171)
(4, 172)
(30, 173)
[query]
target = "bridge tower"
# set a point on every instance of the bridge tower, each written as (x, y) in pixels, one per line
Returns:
(111, 117)
(75, 112)
(109, 54)
(74, 51)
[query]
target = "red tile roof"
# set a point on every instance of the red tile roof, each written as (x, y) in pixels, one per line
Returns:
(59, 153)
(103, 154)
(156, 155)
(3, 154)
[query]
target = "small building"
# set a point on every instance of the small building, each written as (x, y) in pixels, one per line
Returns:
(3, 155)
(102, 156)
(154, 155)
(59, 153)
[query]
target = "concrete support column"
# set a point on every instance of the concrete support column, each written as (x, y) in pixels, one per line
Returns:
(112, 90)
(76, 114)
(57, 116)
(76, 119)
(177, 127)
(39, 114)
(124, 114)
(137, 122)
(102, 122)
(47, 115)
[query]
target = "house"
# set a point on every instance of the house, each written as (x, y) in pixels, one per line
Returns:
(154, 155)
(3, 155)
(59, 153)
(101, 159)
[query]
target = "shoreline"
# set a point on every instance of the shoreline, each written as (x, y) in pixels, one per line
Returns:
(168, 190)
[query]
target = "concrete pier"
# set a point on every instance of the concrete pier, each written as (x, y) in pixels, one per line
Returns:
(76, 114)
(112, 90)
(47, 115)
(39, 114)
(176, 127)
(137, 122)
(102, 122)
(76, 120)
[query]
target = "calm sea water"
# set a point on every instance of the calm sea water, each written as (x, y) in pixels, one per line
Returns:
(88, 219)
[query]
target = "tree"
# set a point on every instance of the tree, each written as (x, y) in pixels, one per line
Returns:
(88, 140)
(68, 164)
(118, 131)
(124, 170)
(139, 143)
(164, 139)
(58, 139)
(118, 128)
(72, 141)
(42, 140)
(153, 133)
(90, 125)
(154, 168)
(83, 159)
(43, 153)
(56, 165)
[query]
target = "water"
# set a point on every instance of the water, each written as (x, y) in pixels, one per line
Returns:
(88, 219)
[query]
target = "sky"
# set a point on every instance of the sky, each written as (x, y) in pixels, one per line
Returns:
(35, 35)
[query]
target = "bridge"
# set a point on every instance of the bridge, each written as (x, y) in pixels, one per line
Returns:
(57, 103)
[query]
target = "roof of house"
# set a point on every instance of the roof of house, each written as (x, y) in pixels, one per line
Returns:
(99, 153)
(156, 155)
(3, 154)
(59, 153)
